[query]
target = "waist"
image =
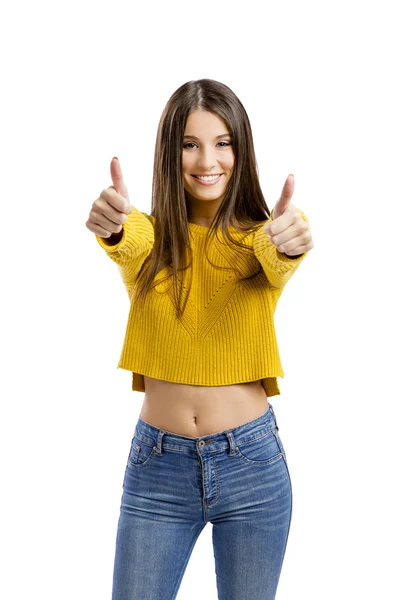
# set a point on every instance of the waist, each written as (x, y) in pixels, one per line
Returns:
(195, 411)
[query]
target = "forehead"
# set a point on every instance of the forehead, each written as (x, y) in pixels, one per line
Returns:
(206, 123)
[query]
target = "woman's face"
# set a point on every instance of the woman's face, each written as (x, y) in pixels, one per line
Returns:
(207, 150)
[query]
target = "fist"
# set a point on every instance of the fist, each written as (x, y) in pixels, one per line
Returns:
(110, 210)
(289, 232)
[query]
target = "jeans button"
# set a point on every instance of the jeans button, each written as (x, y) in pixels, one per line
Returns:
(201, 444)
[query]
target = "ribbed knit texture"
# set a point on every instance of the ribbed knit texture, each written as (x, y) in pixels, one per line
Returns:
(226, 334)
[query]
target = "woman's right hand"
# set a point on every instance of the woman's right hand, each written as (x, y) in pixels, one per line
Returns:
(109, 211)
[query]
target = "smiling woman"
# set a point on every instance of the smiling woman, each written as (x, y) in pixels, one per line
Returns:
(207, 436)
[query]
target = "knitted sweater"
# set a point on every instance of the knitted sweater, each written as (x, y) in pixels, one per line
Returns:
(226, 334)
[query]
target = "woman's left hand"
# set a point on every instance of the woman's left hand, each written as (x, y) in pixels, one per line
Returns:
(289, 232)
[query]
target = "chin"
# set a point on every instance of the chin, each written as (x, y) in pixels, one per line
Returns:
(206, 193)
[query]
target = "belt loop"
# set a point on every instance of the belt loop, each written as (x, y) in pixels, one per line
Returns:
(232, 443)
(158, 446)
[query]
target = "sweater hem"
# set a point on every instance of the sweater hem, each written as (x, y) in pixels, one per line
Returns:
(268, 381)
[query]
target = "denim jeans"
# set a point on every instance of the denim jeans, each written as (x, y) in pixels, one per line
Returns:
(174, 485)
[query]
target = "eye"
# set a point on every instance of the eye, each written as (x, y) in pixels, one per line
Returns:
(185, 146)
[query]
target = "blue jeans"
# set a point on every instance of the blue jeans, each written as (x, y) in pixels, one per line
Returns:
(174, 485)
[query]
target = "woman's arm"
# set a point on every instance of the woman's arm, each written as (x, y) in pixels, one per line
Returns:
(130, 247)
(277, 266)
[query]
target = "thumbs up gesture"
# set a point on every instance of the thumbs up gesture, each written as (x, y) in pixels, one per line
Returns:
(109, 212)
(289, 232)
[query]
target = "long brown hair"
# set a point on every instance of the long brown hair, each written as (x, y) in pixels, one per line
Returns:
(243, 206)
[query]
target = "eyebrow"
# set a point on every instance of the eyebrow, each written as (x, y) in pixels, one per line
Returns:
(216, 138)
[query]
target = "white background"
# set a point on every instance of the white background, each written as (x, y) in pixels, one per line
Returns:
(83, 82)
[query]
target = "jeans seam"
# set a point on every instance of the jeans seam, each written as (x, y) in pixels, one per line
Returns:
(291, 511)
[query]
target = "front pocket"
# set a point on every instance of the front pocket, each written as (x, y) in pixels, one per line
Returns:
(262, 450)
(140, 453)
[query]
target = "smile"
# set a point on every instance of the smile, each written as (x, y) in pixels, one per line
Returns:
(209, 180)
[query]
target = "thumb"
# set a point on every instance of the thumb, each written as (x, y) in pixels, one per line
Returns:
(118, 179)
(286, 196)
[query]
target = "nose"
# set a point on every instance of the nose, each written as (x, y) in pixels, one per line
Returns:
(207, 160)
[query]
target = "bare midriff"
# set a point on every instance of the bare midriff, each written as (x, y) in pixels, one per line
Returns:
(194, 411)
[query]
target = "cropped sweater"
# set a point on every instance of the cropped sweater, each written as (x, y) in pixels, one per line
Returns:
(226, 334)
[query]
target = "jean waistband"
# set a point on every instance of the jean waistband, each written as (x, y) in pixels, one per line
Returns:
(160, 438)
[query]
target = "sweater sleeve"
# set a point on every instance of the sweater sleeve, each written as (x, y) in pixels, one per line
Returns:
(134, 246)
(278, 267)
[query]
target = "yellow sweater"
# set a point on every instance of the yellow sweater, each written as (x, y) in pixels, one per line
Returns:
(226, 334)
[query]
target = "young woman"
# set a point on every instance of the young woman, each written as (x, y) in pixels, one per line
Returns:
(206, 446)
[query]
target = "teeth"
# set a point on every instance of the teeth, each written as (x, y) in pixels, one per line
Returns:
(208, 178)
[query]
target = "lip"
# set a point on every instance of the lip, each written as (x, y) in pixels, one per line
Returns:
(208, 182)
